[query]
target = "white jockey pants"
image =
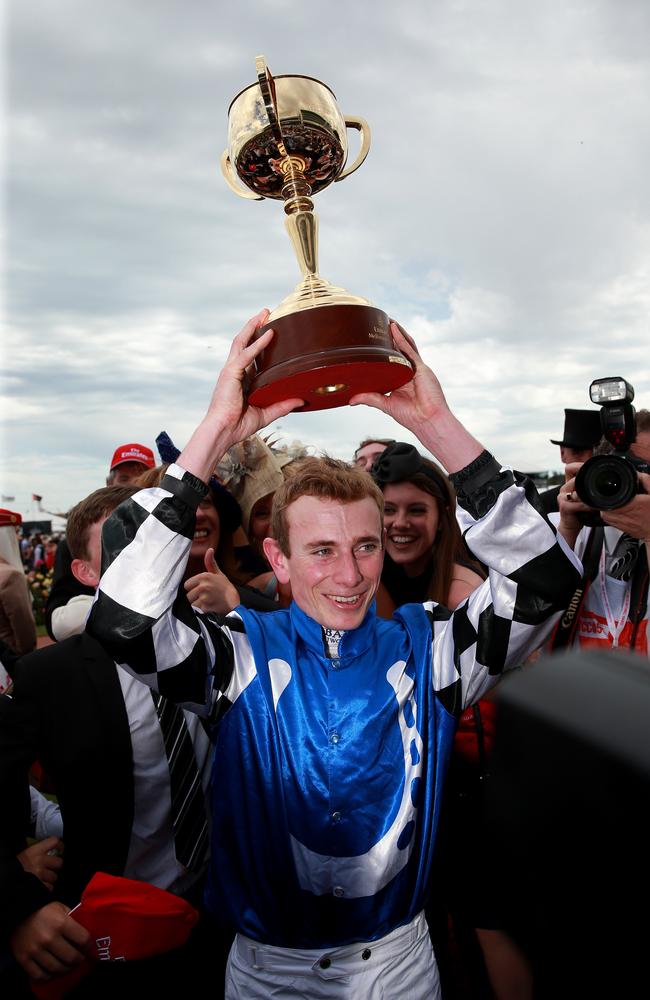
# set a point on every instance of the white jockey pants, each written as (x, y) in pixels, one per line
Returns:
(400, 966)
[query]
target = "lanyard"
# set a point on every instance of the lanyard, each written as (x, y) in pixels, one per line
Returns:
(614, 629)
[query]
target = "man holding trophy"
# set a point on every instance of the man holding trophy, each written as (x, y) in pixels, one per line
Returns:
(332, 727)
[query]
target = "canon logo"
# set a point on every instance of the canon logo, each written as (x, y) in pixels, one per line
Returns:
(570, 612)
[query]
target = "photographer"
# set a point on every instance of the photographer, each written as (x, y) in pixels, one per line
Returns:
(610, 607)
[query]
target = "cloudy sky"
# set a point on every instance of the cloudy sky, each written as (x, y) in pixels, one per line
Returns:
(502, 214)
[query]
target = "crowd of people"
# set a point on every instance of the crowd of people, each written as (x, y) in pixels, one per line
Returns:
(267, 693)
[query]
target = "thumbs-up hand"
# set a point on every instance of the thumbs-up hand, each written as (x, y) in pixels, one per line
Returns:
(211, 562)
(212, 590)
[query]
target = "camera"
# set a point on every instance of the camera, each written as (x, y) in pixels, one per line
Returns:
(607, 482)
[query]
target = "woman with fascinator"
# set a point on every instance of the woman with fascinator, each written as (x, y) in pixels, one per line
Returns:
(253, 470)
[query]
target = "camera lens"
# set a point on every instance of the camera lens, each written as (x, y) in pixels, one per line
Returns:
(607, 482)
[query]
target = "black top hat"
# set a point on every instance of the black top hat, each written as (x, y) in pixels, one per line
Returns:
(581, 429)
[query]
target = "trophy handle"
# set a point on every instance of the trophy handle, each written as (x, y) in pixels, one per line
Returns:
(230, 176)
(363, 129)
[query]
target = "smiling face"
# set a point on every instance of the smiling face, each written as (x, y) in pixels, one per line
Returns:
(336, 558)
(207, 531)
(411, 518)
(260, 521)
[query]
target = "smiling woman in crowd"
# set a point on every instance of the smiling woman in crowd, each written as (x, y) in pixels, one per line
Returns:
(426, 558)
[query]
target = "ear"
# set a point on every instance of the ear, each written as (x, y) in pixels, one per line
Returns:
(84, 573)
(277, 559)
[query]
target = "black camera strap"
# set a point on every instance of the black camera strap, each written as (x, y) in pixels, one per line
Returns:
(566, 627)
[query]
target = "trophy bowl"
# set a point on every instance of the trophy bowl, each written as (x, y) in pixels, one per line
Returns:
(287, 140)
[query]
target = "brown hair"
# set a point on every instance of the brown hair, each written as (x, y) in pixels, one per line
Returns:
(367, 441)
(448, 547)
(152, 477)
(326, 478)
(87, 512)
(642, 421)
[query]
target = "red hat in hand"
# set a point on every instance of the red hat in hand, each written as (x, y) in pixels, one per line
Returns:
(127, 920)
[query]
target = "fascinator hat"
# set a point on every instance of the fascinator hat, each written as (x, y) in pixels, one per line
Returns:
(230, 515)
(252, 469)
(401, 462)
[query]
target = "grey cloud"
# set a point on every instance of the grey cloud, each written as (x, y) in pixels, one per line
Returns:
(502, 213)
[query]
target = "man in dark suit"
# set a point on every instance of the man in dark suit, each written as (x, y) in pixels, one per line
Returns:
(100, 739)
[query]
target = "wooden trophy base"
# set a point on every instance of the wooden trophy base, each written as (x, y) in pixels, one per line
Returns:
(326, 355)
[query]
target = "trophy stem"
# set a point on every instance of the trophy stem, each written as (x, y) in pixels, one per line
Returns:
(303, 233)
(301, 222)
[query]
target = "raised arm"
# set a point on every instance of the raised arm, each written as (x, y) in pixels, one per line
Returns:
(229, 418)
(142, 615)
(532, 572)
(421, 407)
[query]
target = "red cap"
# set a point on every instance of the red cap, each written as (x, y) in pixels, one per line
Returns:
(133, 453)
(8, 517)
(126, 920)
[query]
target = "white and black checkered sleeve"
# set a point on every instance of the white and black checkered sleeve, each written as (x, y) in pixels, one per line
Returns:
(533, 575)
(141, 615)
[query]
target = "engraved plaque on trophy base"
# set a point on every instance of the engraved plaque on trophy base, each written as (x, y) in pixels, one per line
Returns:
(326, 355)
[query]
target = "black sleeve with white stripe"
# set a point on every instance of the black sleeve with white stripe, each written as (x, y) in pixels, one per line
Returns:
(532, 576)
(141, 614)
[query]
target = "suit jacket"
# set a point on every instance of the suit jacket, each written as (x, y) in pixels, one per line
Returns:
(68, 712)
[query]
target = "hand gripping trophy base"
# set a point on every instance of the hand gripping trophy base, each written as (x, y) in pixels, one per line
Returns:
(327, 354)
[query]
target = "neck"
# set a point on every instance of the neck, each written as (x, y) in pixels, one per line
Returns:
(417, 567)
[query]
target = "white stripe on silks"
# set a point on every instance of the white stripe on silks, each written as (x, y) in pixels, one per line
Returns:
(134, 582)
(495, 539)
(503, 594)
(520, 632)
(149, 499)
(444, 670)
(475, 680)
(245, 669)
(173, 641)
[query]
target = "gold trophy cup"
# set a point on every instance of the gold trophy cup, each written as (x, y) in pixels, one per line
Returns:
(287, 140)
